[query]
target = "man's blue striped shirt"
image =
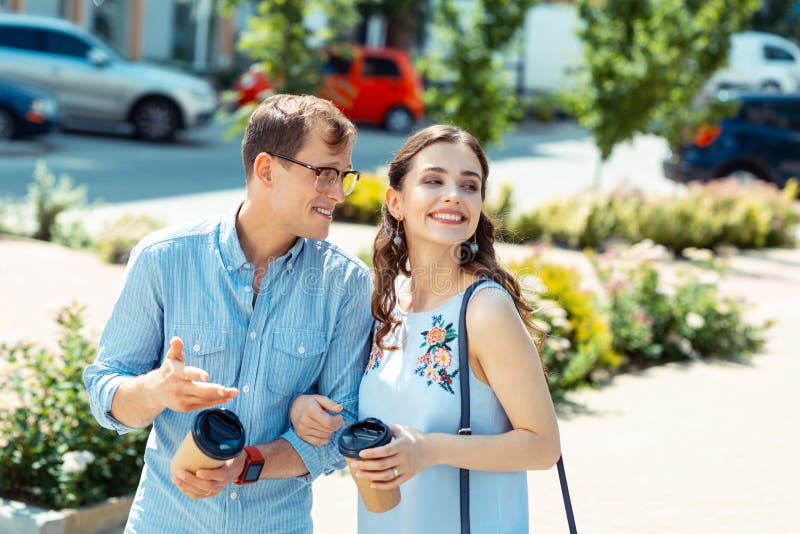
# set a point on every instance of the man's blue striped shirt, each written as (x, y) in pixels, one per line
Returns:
(308, 331)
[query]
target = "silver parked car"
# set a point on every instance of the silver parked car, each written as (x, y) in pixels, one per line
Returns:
(93, 83)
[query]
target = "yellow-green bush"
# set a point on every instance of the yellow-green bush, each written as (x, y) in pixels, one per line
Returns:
(363, 205)
(117, 238)
(578, 334)
(723, 212)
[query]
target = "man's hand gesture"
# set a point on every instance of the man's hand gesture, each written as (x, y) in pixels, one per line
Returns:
(183, 388)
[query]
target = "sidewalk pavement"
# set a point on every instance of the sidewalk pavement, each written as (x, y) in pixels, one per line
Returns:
(690, 448)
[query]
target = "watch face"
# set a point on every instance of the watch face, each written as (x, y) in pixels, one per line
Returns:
(253, 472)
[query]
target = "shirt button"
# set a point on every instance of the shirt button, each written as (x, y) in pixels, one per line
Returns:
(196, 347)
(229, 267)
(233, 495)
(246, 389)
(301, 349)
(248, 265)
(248, 289)
(252, 335)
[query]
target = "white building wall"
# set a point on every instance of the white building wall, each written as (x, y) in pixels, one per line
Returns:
(158, 27)
(47, 8)
(552, 47)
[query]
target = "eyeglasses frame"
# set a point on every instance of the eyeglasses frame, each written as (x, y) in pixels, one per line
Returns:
(319, 170)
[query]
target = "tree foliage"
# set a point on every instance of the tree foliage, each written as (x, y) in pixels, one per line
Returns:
(468, 86)
(646, 61)
(778, 16)
(280, 38)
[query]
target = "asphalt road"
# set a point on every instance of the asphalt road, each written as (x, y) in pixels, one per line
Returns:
(539, 160)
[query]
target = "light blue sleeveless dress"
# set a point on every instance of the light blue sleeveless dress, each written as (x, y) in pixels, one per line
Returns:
(418, 386)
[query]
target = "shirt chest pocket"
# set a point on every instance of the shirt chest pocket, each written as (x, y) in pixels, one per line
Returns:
(296, 359)
(207, 348)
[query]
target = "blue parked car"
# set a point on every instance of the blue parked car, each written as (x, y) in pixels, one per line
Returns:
(762, 141)
(25, 110)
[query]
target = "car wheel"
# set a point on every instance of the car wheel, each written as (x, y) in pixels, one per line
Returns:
(398, 120)
(771, 87)
(8, 125)
(156, 119)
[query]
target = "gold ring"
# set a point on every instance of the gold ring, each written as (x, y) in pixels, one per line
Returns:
(396, 472)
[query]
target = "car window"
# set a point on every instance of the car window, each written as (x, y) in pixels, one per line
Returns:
(64, 45)
(785, 115)
(788, 115)
(374, 66)
(336, 65)
(774, 53)
(20, 37)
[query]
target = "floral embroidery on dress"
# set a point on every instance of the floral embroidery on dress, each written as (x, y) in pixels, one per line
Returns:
(376, 355)
(434, 364)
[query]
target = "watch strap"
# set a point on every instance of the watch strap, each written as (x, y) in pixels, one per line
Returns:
(254, 456)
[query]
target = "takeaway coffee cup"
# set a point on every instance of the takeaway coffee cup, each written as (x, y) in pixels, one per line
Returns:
(217, 435)
(368, 434)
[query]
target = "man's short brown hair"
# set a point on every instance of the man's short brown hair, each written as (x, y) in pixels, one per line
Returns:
(281, 124)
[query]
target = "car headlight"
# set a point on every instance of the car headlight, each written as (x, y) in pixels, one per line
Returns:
(45, 106)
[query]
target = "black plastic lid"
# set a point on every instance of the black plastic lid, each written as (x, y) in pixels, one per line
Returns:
(365, 434)
(218, 433)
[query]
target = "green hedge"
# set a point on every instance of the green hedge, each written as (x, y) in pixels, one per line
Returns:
(364, 204)
(52, 451)
(723, 212)
(637, 321)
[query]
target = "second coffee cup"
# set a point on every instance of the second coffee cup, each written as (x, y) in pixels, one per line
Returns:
(368, 434)
(216, 436)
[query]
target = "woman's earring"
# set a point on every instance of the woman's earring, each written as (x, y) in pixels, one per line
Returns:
(397, 240)
(474, 246)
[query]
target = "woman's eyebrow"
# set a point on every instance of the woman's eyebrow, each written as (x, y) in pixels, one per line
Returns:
(442, 170)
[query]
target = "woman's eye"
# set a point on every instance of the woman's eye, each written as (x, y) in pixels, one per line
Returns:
(470, 187)
(432, 181)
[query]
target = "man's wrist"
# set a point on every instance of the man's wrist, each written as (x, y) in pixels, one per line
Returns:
(252, 466)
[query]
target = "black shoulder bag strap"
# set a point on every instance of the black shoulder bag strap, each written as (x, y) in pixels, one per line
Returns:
(464, 426)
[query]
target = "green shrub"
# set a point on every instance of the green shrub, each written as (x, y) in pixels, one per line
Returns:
(578, 335)
(52, 451)
(499, 210)
(50, 198)
(117, 238)
(364, 204)
(654, 321)
(584, 220)
(723, 212)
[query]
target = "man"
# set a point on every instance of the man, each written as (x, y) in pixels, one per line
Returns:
(249, 310)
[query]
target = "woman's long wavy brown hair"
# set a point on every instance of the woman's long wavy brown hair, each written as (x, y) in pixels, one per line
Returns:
(390, 260)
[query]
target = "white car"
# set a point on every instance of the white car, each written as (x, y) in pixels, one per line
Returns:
(759, 62)
(92, 83)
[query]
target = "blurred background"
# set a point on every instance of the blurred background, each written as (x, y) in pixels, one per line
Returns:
(644, 162)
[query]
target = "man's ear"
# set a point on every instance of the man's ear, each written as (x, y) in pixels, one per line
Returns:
(262, 168)
(394, 203)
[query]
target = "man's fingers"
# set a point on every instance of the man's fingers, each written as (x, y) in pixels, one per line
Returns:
(217, 475)
(195, 373)
(206, 391)
(175, 351)
(328, 404)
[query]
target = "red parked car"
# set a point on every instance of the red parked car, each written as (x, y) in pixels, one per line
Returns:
(376, 86)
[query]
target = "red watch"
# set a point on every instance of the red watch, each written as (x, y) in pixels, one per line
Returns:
(253, 465)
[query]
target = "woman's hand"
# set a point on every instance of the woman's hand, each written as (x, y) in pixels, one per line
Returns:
(409, 453)
(311, 420)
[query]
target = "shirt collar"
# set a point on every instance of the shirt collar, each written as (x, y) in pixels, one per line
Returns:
(231, 249)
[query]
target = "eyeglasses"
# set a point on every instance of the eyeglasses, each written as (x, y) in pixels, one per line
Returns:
(327, 178)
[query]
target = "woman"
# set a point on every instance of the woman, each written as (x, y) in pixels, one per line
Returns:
(433, 243)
